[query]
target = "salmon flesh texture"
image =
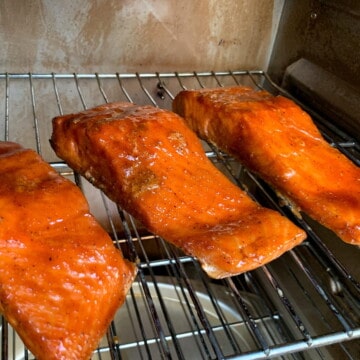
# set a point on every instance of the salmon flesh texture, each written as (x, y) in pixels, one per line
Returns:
(61, 278)
(149, 162)
(275, 138)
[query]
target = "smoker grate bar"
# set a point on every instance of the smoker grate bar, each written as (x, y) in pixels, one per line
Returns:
(157, 75)
(187, 334)
(292, 308)
(327, 298)
(295, 347)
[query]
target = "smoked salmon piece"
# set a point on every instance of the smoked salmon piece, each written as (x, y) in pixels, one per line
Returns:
(61, 278)
(276, 139)
(149, 162)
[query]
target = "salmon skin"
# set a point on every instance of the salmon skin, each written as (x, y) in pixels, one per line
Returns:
(61, 278)
(149, 162)
(276, 139)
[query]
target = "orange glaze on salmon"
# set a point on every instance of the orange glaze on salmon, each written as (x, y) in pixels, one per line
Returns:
(148, 161)
(61, 278)
(276, 139)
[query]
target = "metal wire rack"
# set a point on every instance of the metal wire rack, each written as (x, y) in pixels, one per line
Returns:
(304, 305)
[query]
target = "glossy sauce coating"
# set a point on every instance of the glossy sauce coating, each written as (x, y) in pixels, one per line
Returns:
(61, 278)
(148, 161)
(275, 138)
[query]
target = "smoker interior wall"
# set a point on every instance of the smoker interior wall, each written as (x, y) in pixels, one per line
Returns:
(316, 57)
(325, 32)
(129, 36)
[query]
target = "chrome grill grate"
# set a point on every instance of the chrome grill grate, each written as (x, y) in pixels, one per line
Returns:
(304, 305)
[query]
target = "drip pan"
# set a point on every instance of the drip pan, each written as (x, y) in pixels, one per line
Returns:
(177, 315)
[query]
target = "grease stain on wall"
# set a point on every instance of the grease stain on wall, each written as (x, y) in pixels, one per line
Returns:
(127, 36)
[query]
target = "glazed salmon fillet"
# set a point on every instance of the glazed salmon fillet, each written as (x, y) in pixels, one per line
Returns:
(150, 163)
(61, 278)
(276, 139)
